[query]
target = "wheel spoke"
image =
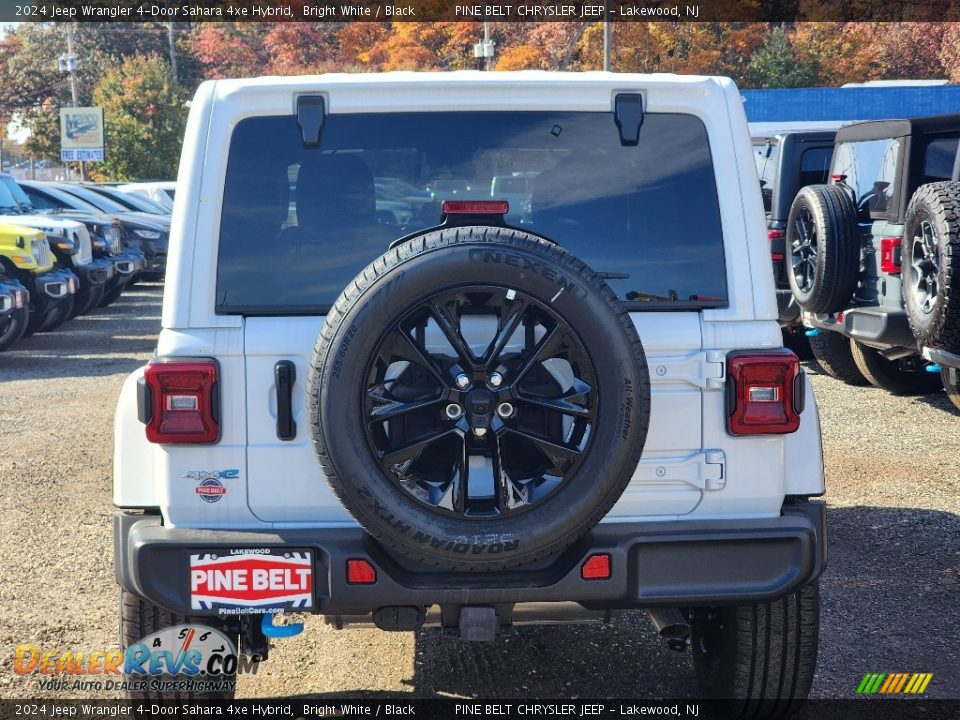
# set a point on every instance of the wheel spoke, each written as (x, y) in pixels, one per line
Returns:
(544, 350)
(401, 345)
(567, 403)
(508, 496)
(561, 456)
(449, 325)
(510, 317)
(410, 452)
(388, 408)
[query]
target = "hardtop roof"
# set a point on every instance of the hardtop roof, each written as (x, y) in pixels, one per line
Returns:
(883, 129)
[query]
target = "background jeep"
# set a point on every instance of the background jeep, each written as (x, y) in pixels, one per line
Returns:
(873, 255)
(475, 421)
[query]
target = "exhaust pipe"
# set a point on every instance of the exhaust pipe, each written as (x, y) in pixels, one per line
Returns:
(671, 626)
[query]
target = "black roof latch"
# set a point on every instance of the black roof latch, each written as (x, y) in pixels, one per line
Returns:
(628, 114)
(311, 114)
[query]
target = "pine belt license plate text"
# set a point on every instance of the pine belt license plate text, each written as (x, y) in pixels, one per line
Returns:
(249, 581)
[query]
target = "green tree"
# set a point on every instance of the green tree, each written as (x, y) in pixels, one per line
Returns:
(776, 64)
(144, 120)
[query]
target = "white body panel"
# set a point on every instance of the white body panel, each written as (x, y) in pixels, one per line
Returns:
(691, 467)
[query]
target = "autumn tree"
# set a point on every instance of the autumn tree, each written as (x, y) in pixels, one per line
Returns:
(144, 120)
(776, 64)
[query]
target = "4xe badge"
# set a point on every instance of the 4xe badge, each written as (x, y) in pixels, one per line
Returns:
(211, 487)
(251, 581)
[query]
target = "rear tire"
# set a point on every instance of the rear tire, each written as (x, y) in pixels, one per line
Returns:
(760, 656)
(951, 383)
(60, 315)
(111, 297)
(823, 242)
(891, 375)
(931, 265)
(831, 351)
(14, 327)
(138, 619)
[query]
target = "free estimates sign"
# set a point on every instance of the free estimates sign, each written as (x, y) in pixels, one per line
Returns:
(81, 134)
(251, 580)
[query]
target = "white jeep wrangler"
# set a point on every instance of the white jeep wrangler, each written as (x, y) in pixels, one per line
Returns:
(488, 416)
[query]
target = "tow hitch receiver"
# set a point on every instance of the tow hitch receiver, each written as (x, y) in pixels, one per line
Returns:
(478, 624)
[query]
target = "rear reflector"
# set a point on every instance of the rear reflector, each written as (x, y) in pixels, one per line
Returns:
(360, 572)
(765, 393)
(890, 255)
(475, 207)
(597, 567)
(183, 401)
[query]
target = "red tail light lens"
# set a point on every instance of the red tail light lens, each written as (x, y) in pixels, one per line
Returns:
(360, 572)
(475, 207)
(890, 255)
(772, 236)
(182, 401)
(765, 393)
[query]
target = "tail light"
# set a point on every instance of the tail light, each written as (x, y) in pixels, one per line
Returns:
(765, 393)
(475, 207)
(890, 255)
(774, 235)
(179, 401)
(596, 567)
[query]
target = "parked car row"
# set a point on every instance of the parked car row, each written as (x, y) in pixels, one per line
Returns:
(864, 226)
(69, 248)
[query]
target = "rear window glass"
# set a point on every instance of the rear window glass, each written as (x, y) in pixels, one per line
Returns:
(870, 169)
(298, 224)
(938, 160)
(815, 166)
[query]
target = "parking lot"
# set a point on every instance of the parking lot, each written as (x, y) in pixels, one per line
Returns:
(890, 593)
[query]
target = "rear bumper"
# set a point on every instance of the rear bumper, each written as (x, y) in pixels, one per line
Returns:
(667, 564)
(877, 326)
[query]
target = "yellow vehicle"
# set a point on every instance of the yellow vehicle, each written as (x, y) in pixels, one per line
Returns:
(25, 257)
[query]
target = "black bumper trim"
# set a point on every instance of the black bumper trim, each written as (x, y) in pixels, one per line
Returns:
(673, 563)
(871, 325)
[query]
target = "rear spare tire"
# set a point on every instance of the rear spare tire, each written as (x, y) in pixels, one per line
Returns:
(931, 265)
(831, 351)
(901, 377)
(823, 240)
(479, 398)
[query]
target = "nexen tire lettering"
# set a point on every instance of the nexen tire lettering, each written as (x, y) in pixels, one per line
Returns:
(342, 351)
(525, 263)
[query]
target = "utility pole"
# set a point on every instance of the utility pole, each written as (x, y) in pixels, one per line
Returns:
(607, 36)
(488, 56)
(71, 65)
(483, 50)
(171, 39)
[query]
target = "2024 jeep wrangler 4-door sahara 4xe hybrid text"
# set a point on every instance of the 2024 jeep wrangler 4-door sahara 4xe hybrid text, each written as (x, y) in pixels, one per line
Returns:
(477, 419)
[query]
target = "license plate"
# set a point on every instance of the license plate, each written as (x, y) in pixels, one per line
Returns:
(249, 581)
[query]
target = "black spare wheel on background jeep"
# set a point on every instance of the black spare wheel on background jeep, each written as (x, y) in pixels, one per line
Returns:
(479, 398)
(823, 242)
(931, 265)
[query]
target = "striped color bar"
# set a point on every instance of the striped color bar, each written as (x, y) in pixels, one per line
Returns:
(894, 683)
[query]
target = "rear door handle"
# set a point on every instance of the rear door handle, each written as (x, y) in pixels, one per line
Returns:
(284, 376)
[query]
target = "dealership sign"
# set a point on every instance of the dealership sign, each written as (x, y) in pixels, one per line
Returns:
(81, 134)
(251, 580)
